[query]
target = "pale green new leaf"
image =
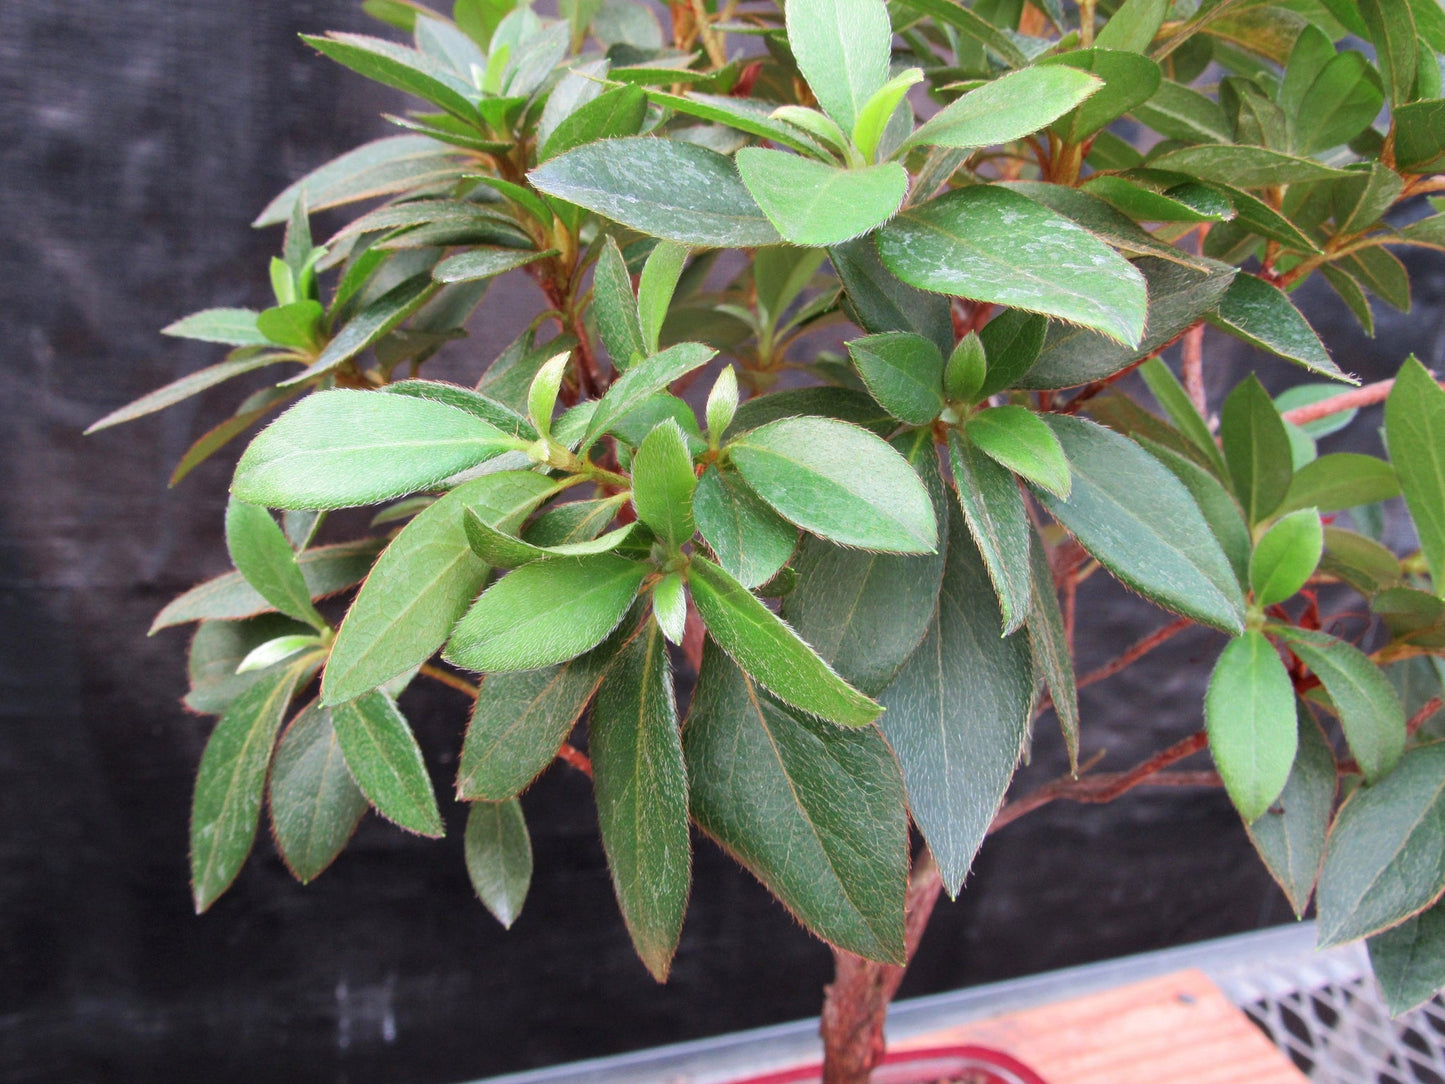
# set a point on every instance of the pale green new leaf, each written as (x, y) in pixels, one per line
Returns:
(1008, 108)
(1250, 715)
(1286, 556)
(662, 484)
(814, 203)
(1014, 437)
(842, 48)
(639, 382)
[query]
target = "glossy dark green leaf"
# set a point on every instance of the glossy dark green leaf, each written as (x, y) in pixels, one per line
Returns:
(1368, 708)
(770, 651)
(994, 510)
(1257, 118)
(904, 372)
(1420, 135)
(1013, 106)
(1415, 436)
(1254, 214)
(1290, 836)
(231, 781)
(1011, 341)
(878, 301)
(957, 715)
(842, 47)
(1250, 714)
(422, 584)
(378, 168)
(315, 805)
(499, 857)
(386, 762)
(748, 538)
(1242, 166)
(1141, 524)
(1262, 314)
(1146, 204)
(814, 203)
(1257, 449)
(640, 783)
(1409, 960)
(1333, 483)
(663, 482)
(1342, 102)
(397, 66)
(1391, 24)
(185, 387)
(1385, 860)
(642, 380)
(864, 612)
(1014, 437)
(966, 243)
(814, 812)
(262, 555)
(1381, 272)
(1129, 80)
(838, 481)
(662, 187)
(545, 613)
(1286, 556)
(1049, 642)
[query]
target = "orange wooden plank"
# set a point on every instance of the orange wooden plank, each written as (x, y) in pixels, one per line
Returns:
(1178, 1029)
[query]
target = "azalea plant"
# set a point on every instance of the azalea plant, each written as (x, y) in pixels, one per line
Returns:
(869, 555)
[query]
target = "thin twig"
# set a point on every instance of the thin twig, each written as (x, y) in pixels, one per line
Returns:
(575, 757)
(1192, 368)
(454, 681)
(1135, 653)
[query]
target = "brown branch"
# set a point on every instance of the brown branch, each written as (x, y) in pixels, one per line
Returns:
(1136, 652)
(1336, 404)
(1192, 368)
(1427, 709)
(575, 757)
(447, 678)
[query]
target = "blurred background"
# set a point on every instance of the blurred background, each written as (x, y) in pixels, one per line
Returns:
(137, 141)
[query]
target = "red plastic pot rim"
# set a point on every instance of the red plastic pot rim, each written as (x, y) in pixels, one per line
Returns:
(923, 1067)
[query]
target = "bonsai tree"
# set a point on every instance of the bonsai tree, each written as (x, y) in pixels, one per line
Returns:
(869, 558)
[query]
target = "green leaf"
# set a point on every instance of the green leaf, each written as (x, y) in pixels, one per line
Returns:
(399, 67)
(994, 510)
(542, 393)
(1333, 483)
(262, 555)
(372, 323)
(218, 647)
(878, 301)
(522, 719)
(872, 120)
(1262, 314)
(378, 168)
(483, 262)
(771, 651)
(1369, 709)
(1290, 836)
(1011, 341)
(640, 783)
(1286, 557)
(1147, 204)
(386, 762)
(1250, 714)
(814, 203)
(233, 327)
(1170, 395)
(1258, 216)
(842, 48)
(663, 482)
(747, 537)
(1178, 112)
(473, 402)
(1014, 437)
(274, 651)
(838, 481)
(1140, 523)
(1013, 106)
(1342, 102)
(957, 715)
(499, 857)
(1133, 26)
(1415, 437)
(1243, 167)
(966, 369)
(546, 612)
(973, 26)
(615, 308)
(722, 403)
(814, 812)
(615, 113)
(966, 243)
(315, 806)
(655, 288)
(1385, 860)
(422, 584)
(754, 118)
(662, 187)
(231, 781)
(326, 569)
(1420, 135)
(1256, 447)
(1049, 642)
(669, 607)
(1409, 960)
(843, 404)
(643, 379)
(297, 324)
(1361, 562)
(336, 449)
(501, 550)
(1219, 508)
(185, 387)
(904, 372)
(1129, 80)
(1392, 30)
(864, 613)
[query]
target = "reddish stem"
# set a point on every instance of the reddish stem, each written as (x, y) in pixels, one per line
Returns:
(575, 757)
(1135, 653)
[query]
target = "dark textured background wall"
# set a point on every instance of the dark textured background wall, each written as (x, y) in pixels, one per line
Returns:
(137, 139)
